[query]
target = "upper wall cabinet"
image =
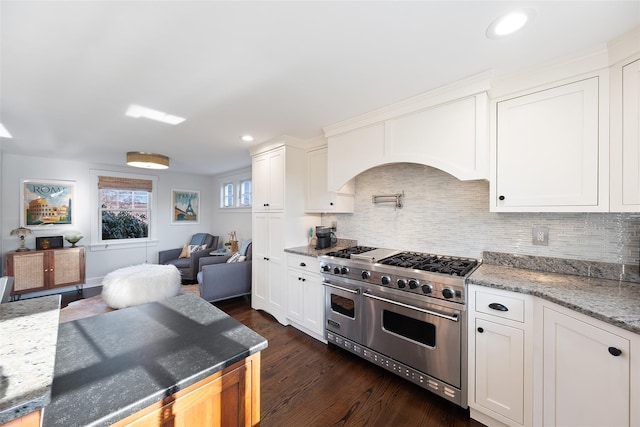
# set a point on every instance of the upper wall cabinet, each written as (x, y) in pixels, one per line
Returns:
(625, 136)
(268, 181)
(550, 148)
(446, 129)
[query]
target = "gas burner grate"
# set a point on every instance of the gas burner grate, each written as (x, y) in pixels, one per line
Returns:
(433, 263)
(347, 252)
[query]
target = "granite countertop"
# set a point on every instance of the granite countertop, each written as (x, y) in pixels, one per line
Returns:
(27, 355)
(311, 251)
(612, 301)
(113, 365)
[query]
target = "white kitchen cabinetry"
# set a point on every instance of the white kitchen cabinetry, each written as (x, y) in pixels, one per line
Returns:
(500, 357)
(305, 295)
(550, 149)
(625, 136)
(319, 199)
(278, 220)
(446, 128)
(268, 180)
(586, 372)
(354, 152)
(452, 137)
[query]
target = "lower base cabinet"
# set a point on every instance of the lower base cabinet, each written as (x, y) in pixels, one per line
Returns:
(536, 363)
(305, 302)
(226, 399)
(586, 376)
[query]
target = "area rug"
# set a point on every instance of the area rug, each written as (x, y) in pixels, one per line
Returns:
(95, 305)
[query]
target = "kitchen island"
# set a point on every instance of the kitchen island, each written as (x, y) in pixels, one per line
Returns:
(163, 363)
(27, 355)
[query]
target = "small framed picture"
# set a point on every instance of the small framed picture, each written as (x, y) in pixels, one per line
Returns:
(185, 207)
(45, 202)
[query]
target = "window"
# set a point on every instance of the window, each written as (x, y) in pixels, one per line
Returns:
(235, 191)
(124, 208)
(227, 195)
(245, 193)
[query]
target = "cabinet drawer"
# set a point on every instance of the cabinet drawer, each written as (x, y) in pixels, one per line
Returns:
(500, 305)
(306, 263)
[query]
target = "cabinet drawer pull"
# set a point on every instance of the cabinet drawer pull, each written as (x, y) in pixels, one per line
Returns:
(615, 351)
(265, 258)
(302, 264)
(481, 330)
(498, 306)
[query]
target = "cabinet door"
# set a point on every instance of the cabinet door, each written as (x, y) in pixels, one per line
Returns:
(66, 267)
(260, 182)
(314, 303)
(318, 197)
(276, 179)
(259, 268)
(547, 150)
(295, 295)
(631, 135)
(28, 271)
(584, 384)
(499, 369)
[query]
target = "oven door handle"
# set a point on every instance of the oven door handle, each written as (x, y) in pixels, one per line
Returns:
(341, 288)
(453, 318)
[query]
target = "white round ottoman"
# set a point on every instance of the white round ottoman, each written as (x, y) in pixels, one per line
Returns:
(140, 284)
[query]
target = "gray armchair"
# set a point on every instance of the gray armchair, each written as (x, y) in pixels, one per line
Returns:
(189, 266)
(219, 280)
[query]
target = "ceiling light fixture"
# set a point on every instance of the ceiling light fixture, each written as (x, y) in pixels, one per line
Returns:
(4, 133)
(140, 159)
(138, 111)
(247, 138)
(509, 23)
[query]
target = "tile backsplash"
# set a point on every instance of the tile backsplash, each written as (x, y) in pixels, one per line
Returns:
(446, 216)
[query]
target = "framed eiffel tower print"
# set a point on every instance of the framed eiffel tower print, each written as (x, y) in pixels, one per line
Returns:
(186, 207)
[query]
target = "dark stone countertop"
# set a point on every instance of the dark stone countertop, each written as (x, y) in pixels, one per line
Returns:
(311, 251)
(612, 301)
(113, 365)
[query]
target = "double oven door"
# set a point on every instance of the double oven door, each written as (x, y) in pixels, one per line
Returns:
(422, 335)
(343, 308)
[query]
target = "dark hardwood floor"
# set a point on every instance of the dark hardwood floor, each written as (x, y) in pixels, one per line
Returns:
(307, 383)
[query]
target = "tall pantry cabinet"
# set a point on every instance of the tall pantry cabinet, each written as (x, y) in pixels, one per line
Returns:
(278, 220)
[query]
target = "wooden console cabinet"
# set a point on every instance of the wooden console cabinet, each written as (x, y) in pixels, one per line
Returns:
(46, 269)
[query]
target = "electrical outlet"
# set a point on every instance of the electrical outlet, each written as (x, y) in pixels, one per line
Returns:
(541, 236)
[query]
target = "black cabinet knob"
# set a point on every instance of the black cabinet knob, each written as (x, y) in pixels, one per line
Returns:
(331, 204)
(302, 264)
(615, 351)
(501, 198)
(480, 330)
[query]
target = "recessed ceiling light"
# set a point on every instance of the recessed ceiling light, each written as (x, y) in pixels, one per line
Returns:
(509, 23)
(4, 133)
(247, 138)
(138, 111)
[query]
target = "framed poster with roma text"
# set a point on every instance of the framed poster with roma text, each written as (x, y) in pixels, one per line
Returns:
(185, 207)
(45, 202)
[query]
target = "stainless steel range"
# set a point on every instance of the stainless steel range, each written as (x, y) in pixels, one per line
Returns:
(404, 311)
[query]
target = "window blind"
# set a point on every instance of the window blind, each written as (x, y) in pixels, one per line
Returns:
(124, 183)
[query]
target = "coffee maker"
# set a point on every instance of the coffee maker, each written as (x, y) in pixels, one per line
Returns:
(325, 238)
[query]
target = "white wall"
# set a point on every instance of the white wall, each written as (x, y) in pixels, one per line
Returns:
(100, 262)
(443, 215)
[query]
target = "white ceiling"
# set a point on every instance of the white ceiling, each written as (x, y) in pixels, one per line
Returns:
(69, 69)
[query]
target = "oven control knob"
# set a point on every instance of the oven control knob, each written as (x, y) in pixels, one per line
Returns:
(326, 268)
(427, 289)
(336, 270)
(385, 280)
(366, 274)
(344, 270)
(448, 293)
(402, 283)
(413, 283)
